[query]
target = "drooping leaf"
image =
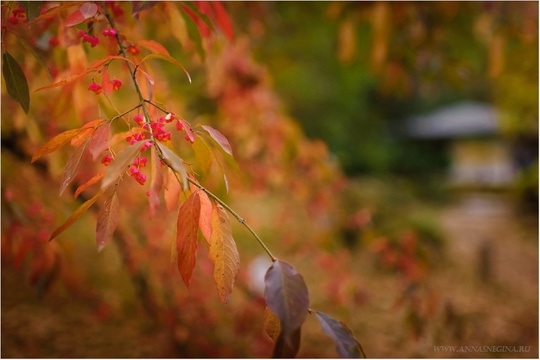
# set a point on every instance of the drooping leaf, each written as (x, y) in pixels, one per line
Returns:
(203, 155)
(153, 46)
(168, 58)
(16, 84)
(65, 81)
(287, 345)
(156, 184)
(346, 345)
(176, 163)
(55, 143)
(120, 164)
(205, 220)
(99, 140)
(107, 221)
(192, 30)
(286, 295)
(76, 214)
(219, 139)
(86, 11)
(223, 19)
(71, 166)
(172, 191)
(31, 8)
(186, 236)
(223, 254)
(271, 324)
(94, 180)
(194, 10)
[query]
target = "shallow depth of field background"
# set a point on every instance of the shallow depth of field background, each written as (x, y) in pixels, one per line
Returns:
(389, 151)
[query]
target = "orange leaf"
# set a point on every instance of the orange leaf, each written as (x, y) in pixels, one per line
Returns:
(82, 136)
(107, 221)
(76, 215)
(55, 143)
(172, 191)
(223, 254)
(106, 83)
(153, 46)
(86, 185)
(65, 81)
(186, 236)
(205, 220)
(156, 184)
(71, 167)
(272, 326)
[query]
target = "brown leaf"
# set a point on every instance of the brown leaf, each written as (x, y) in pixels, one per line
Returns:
(55, 143)
(186, 236)
(223, 254)
(76, 215)
(287, 344)
(71, 166)
(107, 221)
(205, 220)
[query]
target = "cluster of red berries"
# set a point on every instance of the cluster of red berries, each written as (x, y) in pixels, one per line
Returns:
(92, 40)
(95, 87)
(109, 32)
(17, 16)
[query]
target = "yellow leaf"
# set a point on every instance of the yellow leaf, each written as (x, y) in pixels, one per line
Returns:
(223, 254)
(272, 326)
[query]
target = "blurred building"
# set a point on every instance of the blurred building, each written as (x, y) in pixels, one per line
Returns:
(479, 157)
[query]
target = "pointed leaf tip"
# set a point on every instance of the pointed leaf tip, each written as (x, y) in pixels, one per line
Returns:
(346, 345)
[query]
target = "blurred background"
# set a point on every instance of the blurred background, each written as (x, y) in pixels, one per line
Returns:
(389, 150)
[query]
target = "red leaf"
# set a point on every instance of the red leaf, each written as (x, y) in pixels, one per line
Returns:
(71, 167)
(223, 19)
(219, 138)
(99, 140)
(205, 220)
(223, 253)
(107, 221)
(86, 11)
(186, 236)
(287, 296)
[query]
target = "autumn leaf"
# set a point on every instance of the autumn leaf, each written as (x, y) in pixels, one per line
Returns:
(205, 220)
(219, 139)
(346, 345)
(76, 215)
(120, 163)
(71, 166)
(287, 345)
(55, 143)
(271, 324)
(168, 58)
(186, 236)
(99, 140)
(153, 46)
(94, 180)
(156, 184)
(16, 83)
(31, 8)
(172, 191)
(223, 254)
(107, 221)
(287, 296)
(175, 162)
(86, 11)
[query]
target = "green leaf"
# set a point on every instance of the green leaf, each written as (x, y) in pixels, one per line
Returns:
(346, 345)
(31, 8)
(16, 84)
(193, 33)
(175, 162)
